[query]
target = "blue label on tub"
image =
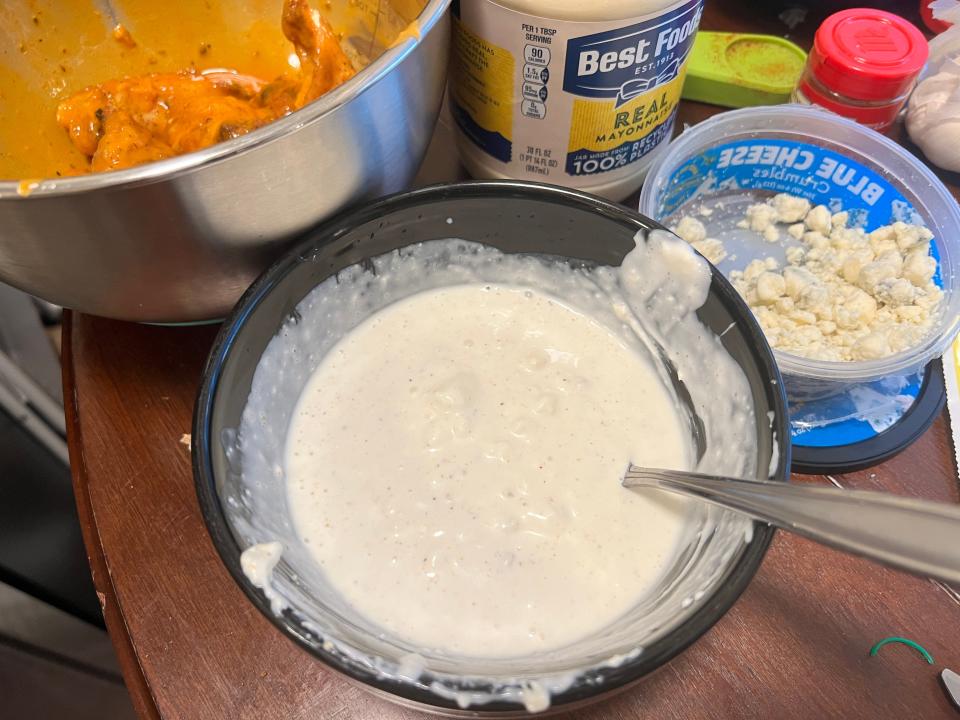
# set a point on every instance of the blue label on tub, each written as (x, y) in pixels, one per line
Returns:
(627, 62)
(860, 414)
(824, 177)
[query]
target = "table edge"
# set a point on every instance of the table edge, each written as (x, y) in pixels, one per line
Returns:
(136, 682)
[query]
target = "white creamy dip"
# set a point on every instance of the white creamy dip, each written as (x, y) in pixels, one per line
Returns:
(454, 466)
(452, 561)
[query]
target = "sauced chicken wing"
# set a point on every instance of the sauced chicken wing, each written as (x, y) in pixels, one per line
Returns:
(130, 121)
(323, 64)
(122, 123)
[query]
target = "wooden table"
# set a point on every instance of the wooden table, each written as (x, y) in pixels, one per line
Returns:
(191, 646)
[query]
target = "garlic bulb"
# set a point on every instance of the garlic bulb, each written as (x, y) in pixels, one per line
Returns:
(933, 116)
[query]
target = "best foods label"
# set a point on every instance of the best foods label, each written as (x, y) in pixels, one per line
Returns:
(574, 103)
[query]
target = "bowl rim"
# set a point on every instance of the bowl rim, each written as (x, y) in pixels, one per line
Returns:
(738, 574)
(369, 76)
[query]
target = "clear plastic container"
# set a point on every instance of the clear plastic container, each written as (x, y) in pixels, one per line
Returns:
(745, 156)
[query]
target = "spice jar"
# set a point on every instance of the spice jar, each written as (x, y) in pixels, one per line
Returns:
(863, 65)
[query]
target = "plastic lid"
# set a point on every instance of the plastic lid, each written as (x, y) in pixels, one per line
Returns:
(867, 54)
(916, 419)
(740, 69)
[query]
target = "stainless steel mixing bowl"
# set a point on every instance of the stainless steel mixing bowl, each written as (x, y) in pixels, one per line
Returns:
(179, 240)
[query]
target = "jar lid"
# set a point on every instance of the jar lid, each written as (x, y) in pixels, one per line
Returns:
(867, 54)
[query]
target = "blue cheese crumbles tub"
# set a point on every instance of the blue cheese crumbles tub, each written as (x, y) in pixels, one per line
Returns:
(573, 93)
(720, 170)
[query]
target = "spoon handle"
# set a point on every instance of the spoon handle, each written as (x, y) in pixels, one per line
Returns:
(915, 535)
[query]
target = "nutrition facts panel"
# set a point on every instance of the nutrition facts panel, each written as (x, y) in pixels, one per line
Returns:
(536, 73)
(535, 91)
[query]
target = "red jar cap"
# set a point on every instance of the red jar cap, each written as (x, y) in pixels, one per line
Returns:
(867, 54)
(932, 23)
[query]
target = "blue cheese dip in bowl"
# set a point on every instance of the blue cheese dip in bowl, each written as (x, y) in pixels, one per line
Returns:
(410, 436)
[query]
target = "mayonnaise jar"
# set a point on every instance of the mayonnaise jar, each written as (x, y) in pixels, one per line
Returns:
(571, 92)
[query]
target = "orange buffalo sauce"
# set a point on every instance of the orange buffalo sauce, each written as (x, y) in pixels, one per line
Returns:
(52, 51)
(133, 120)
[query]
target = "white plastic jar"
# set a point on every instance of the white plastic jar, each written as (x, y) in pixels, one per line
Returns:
(579, 93)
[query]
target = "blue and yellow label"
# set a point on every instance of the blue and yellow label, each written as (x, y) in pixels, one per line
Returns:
(636, 73)
(626, 63)
(481, 86)
(564, 101)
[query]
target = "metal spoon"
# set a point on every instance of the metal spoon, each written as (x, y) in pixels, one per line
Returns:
(109, 12)
(915, 535)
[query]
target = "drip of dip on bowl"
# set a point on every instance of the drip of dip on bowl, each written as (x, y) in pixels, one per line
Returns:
(431, 406)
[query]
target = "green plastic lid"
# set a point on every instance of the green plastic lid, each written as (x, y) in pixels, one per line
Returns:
(740, 70)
